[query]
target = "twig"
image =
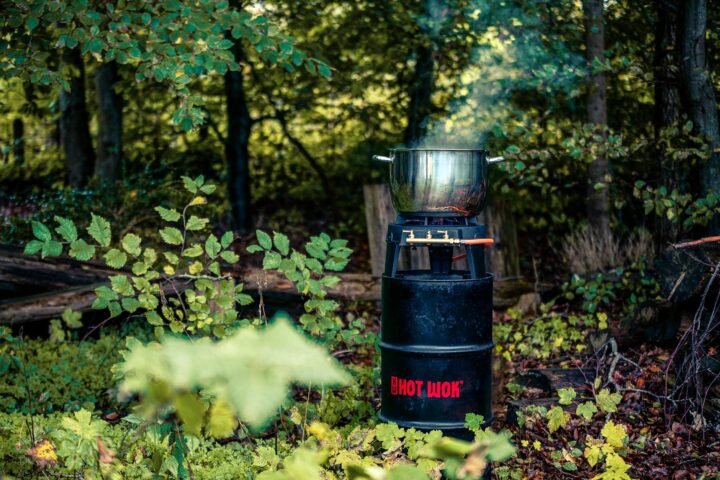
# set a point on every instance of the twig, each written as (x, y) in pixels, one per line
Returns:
(697, 242)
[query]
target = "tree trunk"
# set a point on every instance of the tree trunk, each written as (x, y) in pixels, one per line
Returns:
(110, 128)
(421, 88)
(667, 109)
(74, 123)
(18, 145)
(699, 95)
(379, 213)
(598, 199)
(504, 256)
(239, 126)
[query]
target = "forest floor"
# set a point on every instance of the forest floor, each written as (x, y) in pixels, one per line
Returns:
(63, 375)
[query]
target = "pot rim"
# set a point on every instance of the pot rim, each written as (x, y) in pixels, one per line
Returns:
(437, 149)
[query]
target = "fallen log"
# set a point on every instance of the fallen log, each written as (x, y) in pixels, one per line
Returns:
(44, 306)
(23, 274)
(275, 290)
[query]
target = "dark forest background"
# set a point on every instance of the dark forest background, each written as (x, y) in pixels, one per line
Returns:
(607, 111)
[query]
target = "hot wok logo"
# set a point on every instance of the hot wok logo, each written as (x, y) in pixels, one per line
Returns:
(404, 387)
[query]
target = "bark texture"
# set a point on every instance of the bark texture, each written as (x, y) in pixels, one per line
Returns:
(699, 95)
(110, 127)
(74, 126)
(598, 199)
(18, 145)
(667, 108)
(239, 123)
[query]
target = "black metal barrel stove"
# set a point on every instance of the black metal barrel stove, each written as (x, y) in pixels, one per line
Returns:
(436, 335)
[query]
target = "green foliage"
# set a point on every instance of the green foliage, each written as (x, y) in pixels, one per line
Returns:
(39, 376)
(208, 299)
(251, 370)
(567, 395)
(586, 410)
(551, 333)
(168, 41)
(69, 320)
(309, 273)
(77, 441)
(607, 401)
(598, 291)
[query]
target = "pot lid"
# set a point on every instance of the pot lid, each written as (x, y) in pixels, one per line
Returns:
(437, 149)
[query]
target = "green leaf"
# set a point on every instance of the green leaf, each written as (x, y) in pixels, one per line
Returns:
(154, 318)
(208, 189)
(567, 395)
(139, 268)
(243, 299)
(121, 285)
(282, 243)
(557, 418)
(130, 304)
(586, 410)
(99, 230)
(131, 244)
(229, 256)
(314, 265)
(614, 434)
(72, 318)
(171, 258)
(254, 248)
(196, 223)
(115, 309)
(212, 246)
(222, 422)
(171, 235)
(339, 243)
(168, 214)
(245, 367)
(66, 229)
(189, 184)
(315, 251)
(272, 260)
(193, 251)
(81, 250)
(227, 239)
(324, 70)
(40, 231)
(191, 411)
(329, 281)
(32, 247)
(607, 401)
(115, 258)
(474, 421)
(335, 265)
(263, 239)
(51, 248)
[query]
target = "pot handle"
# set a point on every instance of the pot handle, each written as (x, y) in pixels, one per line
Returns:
(381, 158)
(495, 159)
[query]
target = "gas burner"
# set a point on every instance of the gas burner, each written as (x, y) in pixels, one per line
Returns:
(439, 238)
(434, 220)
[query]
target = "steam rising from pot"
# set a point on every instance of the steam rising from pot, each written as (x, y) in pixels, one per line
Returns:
(516, 50)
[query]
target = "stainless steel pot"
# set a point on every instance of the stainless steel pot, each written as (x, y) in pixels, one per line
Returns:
(435, 181)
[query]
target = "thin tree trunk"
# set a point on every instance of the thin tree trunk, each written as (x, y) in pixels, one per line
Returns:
(667, 109)
(699, 95)
(18, 146)
(74, 123)
(110, 126)
(421, 88)
(239, 125)
(598, 198)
